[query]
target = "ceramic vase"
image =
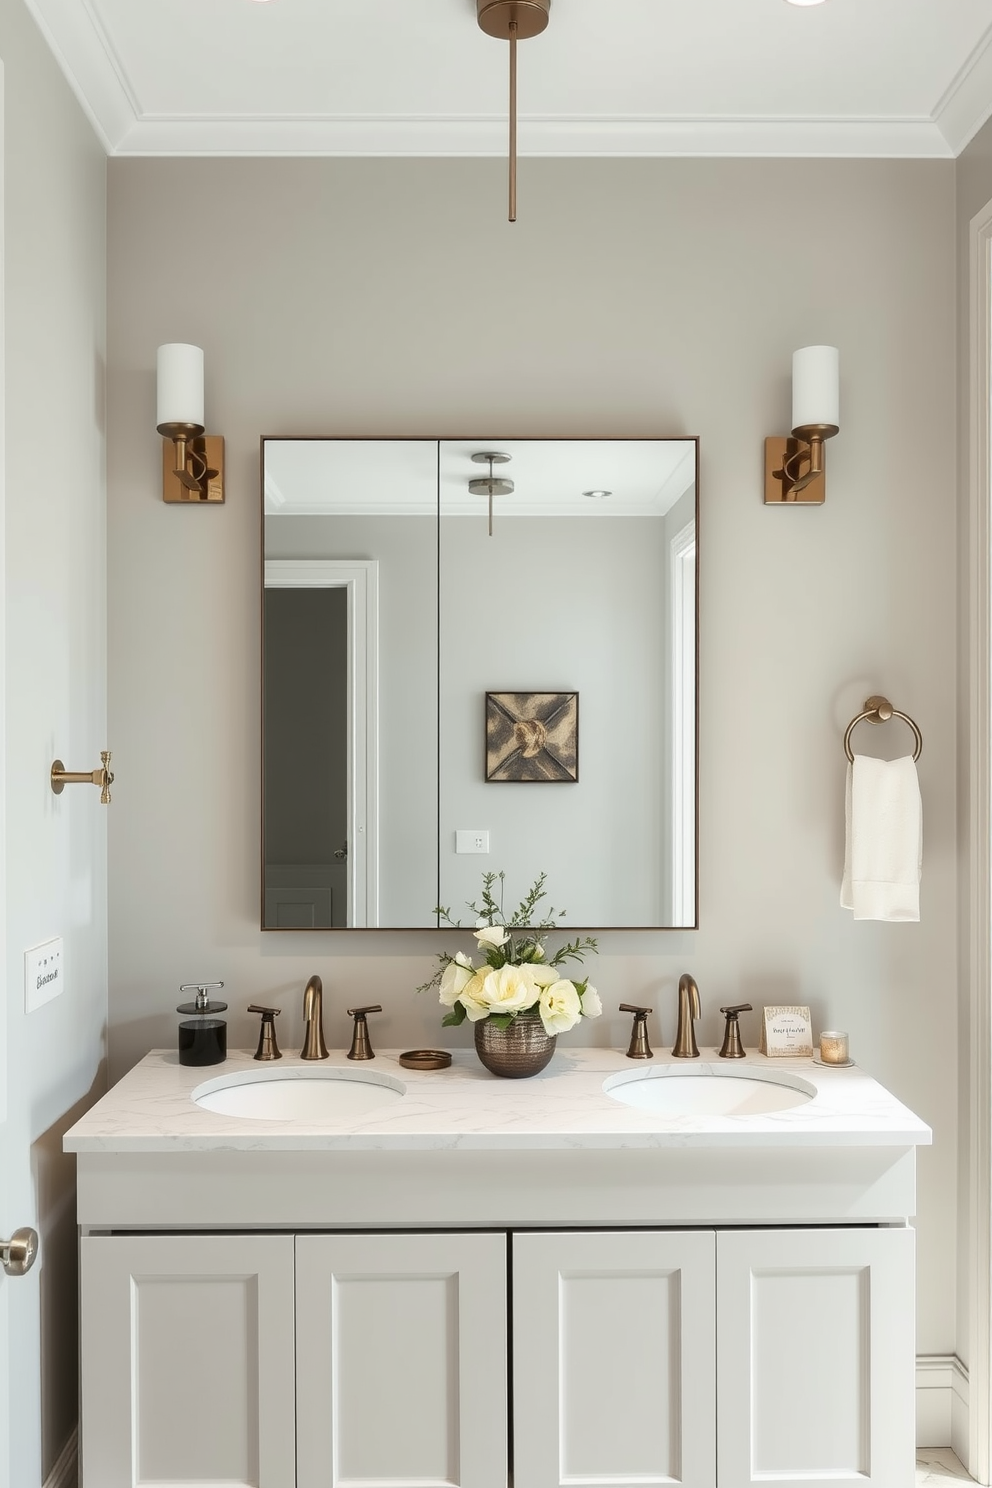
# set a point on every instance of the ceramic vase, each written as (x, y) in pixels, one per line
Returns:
(521, 1049)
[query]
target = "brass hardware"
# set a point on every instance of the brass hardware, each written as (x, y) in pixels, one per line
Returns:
(779, 453)
(61, 777)
(313, 1043)
(491, 485)
(685, 1036)
(18, 1254)
(513, 21)
(361, 1048)
(192, 466)
(639, 1048)
(267, 1046)
(878, 709)
(425, 1059)
(732, 1048)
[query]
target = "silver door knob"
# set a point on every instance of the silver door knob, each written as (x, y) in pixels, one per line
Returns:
(18, 1253)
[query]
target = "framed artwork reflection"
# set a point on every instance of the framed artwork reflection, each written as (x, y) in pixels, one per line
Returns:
(532, 737)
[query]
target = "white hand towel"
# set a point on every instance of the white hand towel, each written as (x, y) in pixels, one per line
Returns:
(883, 858)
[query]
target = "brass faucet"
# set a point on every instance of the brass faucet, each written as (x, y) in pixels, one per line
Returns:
(313, 1042)
(685, 1037)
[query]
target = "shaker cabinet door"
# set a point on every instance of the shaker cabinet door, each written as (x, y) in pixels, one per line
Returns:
(815, 1342)
(401, 1360)
(613, 1359)
(187, 1361)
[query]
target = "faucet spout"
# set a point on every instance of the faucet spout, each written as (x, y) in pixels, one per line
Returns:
(313, 1042)
(685, 1037)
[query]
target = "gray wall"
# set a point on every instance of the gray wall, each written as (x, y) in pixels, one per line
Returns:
(55, 579)
(632, 298)
(553, 605)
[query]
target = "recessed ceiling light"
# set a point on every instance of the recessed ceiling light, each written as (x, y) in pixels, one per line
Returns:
(805, 2)
(598, 495)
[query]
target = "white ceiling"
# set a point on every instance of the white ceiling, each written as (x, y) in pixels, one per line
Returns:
(906, 78)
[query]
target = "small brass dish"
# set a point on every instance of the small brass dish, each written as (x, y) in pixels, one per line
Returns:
(425, 1059)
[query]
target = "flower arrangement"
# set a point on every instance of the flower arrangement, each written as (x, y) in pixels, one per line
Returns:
(517, 976)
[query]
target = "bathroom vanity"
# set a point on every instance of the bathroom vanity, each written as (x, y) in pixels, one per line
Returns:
(445, 1278)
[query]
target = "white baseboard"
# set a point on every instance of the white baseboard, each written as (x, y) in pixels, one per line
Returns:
(65, 1473)
(942, 1403)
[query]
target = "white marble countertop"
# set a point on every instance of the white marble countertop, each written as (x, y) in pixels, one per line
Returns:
(465, 1108)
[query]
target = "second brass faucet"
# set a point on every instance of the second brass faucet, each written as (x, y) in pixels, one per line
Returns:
(313, 1040)
(685, 1036)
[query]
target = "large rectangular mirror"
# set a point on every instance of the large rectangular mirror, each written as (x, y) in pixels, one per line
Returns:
(462, 678)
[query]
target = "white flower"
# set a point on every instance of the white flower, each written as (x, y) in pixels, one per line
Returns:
(544, 976)
(511, 989)
(560, 1007)
(456, 976)
(472, 1001)
(591, 1004)
(491, 935)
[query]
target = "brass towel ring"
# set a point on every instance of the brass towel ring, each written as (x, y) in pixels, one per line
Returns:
(880, 710)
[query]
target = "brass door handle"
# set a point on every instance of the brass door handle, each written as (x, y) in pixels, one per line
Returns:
(104, 777)
(18, 1253)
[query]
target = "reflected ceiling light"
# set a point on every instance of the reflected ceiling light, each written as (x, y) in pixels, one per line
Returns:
(815, 418)
(193, 468)
(491, 485)
(598, 495)
(513, 21)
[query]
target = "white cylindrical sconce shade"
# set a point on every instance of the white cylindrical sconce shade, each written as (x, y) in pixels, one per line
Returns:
(180, 384)
(815, 386)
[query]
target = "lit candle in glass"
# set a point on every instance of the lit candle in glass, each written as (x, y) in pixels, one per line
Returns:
(833, 1048)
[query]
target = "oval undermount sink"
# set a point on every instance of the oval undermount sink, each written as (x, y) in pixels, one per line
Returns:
(298, 1094)
(707, 1091)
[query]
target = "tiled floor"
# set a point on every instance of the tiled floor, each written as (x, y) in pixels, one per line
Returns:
(939, 1465)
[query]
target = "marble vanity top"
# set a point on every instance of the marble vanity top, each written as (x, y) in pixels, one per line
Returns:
(465, 1108)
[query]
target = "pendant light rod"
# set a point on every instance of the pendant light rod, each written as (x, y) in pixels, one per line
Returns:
(513, 21)
(513, 121)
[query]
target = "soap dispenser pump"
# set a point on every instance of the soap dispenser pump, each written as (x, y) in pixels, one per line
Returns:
(202, 1036)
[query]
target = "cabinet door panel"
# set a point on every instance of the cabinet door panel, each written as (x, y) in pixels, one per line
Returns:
(613, 1359)
(187, 1361)
(815, 1343)
(401, 1360)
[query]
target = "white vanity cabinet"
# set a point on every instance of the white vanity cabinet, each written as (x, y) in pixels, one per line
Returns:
(707, 1358)
(482, 1285)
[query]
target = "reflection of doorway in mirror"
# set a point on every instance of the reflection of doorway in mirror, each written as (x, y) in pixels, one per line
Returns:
(320, 799)
(682, 565)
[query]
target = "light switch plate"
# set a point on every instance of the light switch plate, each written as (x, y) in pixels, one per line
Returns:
(44, 975)
(472, 840)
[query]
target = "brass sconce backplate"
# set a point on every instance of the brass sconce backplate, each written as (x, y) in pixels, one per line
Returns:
(779, 490)
(204, 451)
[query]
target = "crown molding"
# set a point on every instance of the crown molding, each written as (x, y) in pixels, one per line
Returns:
(454, 137)
(92, 68)
(967, 103)
(97, 76)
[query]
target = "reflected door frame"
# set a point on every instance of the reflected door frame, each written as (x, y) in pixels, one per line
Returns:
(360, 578)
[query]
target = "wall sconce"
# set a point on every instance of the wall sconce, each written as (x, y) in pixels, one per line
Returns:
(794, 471)
(192, 461)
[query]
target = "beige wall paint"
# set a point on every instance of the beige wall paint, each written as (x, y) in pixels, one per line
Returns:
(642, 298)
(55, 583)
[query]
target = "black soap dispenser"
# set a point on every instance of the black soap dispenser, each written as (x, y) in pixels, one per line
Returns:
(203, 1036)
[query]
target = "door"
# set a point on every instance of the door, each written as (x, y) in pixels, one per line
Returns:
(187, 1361)
(401, 1360)
(815, 1349)
(613, 1359)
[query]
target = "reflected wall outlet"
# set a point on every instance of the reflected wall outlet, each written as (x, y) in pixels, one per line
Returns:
(471, 842)
(44, 977)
